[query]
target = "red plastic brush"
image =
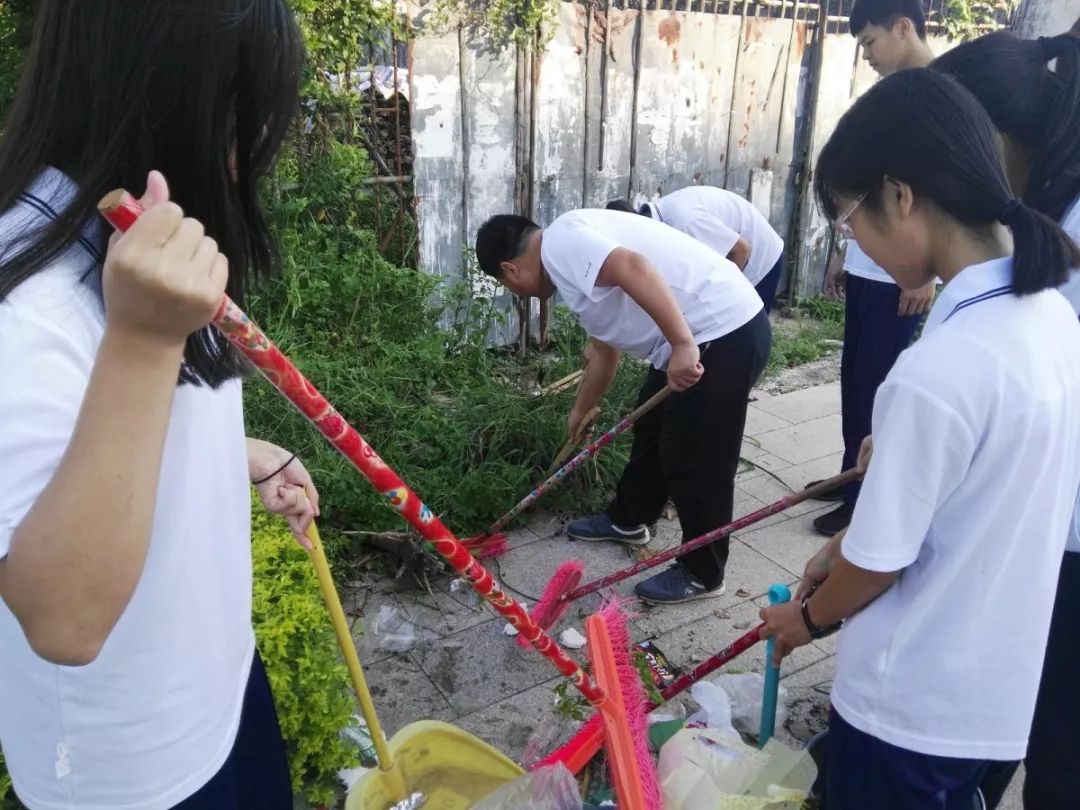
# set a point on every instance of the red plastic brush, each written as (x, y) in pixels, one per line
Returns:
(584, 745)
(494, 540)
(552, 606)
(624, 714)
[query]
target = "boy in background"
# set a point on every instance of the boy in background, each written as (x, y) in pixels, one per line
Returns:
(727, 223)
(880, 319)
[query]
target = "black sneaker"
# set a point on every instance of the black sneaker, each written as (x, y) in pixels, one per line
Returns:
(834, 494)
(836, 520)
(674, 586)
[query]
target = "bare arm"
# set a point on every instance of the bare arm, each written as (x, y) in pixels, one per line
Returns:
(603, 362)
(632, 272)
(740, 254)
(75, 559)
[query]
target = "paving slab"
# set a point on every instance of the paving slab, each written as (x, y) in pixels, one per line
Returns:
(402, 693)
(790, 544)
(480, 666)
(511, 723)
(799, 406)
(802, 442)
(761, 421)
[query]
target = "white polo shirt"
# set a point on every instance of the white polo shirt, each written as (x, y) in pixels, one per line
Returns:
(715, 298)
(857, 263)
(155, 716)
(719, 218)
(970, 493)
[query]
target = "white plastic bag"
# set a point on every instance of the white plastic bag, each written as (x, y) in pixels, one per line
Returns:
(715, 711)
(394, 632)
(550, 788)
(746, 692)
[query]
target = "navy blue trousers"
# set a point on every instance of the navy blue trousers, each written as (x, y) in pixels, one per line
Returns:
(865, 773)
(874, 336)
(256, 774)
(766, 288)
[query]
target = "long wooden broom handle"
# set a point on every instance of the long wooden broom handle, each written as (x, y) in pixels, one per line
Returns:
(122, 210)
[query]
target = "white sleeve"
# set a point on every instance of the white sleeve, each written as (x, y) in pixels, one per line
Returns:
(44, 371)
(922, 451)
(710, 230)
(573, 253)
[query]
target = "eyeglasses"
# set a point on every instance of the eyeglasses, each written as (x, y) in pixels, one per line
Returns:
(841, 224)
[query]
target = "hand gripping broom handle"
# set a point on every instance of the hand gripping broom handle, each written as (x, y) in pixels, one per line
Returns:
(121, 210)
(590, 451)
(714, 535)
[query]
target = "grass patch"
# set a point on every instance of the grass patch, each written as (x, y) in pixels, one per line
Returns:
(808, 334)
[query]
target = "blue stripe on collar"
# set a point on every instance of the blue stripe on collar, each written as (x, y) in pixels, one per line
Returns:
(46, 210)
(977, 299)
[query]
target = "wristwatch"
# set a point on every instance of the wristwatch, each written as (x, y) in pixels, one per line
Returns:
(815, 631)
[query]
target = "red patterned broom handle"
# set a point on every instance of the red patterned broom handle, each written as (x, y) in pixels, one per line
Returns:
(580, 459)
(121, 210)
(711, 537)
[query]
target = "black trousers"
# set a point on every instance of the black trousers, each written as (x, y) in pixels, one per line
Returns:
(256, 774)
(1052, 765)
(688, 448)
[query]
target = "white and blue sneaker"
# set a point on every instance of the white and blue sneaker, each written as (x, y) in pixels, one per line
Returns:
(600, 527)
(674, 585)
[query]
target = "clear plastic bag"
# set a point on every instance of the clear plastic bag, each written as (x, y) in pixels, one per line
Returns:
(551, 788)
(394, 632)
(746, 691)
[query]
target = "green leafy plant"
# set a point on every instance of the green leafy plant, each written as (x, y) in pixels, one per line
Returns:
(966, 19)
(297, 644)
(498, 24)
(5, 779)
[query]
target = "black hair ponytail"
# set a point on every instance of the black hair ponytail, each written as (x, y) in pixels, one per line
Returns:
(1032, 102)
(923, 128)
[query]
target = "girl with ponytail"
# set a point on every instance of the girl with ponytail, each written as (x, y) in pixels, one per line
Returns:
(957, 536)
(1031, 89)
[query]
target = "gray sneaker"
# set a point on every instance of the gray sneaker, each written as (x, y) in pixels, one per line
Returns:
(673, 586)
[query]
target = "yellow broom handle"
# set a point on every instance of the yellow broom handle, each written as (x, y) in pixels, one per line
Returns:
(348, 650)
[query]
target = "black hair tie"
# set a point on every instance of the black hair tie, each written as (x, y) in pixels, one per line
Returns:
(1009, 211)
(1048, 48)
(279, 470)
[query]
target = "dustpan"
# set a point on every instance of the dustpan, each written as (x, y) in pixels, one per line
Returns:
(450, 767)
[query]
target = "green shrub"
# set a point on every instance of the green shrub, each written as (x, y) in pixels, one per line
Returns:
(5, 781)
(298, 646)
(458, 420)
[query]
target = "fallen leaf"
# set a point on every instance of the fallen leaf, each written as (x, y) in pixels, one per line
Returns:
(742, 593)
(741, 625)
(722, 614)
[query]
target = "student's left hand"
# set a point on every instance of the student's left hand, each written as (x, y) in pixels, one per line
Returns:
(786, 624)
(289, 492)
(684, 369)
(917, 302)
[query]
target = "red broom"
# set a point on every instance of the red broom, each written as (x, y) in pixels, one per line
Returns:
(552, 606)
(626, 723)
(493, 542)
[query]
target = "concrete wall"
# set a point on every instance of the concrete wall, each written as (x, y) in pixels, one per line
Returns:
(1039, 18)
(626, 103)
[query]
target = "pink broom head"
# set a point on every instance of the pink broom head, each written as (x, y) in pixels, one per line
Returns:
(487, 546)
(634, 697)
(551, 606)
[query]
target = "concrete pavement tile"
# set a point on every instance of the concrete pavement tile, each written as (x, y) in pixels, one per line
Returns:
(803, 405)
(804, 441)
(480, 666)
(511, 723)
(691, 643)
(790, 544)
(759, 421)
(402, 694)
